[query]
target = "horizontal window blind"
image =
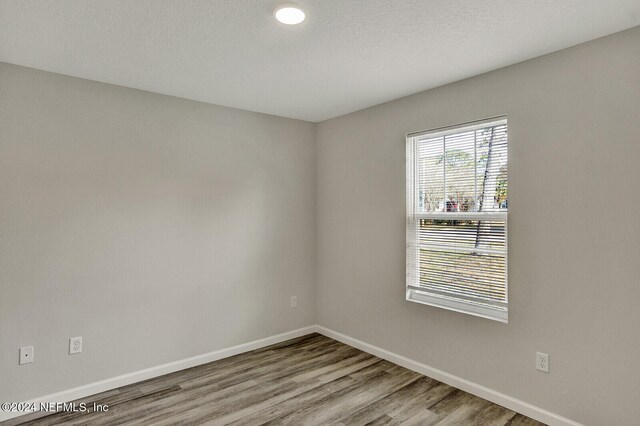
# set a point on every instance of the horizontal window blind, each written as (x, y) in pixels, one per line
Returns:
(457, 218)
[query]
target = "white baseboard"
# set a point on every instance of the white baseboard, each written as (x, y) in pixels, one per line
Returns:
(511, 403)
(455, 381)
(138, 376)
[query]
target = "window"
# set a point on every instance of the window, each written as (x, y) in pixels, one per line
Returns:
(457, 218)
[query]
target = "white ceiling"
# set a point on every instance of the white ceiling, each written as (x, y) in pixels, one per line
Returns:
(347, 55)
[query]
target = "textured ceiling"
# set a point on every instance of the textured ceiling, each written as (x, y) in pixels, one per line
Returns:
(347, 55)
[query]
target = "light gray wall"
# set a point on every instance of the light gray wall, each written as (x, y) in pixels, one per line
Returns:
(156, 228)
(574, 233)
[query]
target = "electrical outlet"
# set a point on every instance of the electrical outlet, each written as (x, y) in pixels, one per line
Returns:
(26, 355)
(542, 362)
(294, 301)
(75, 345)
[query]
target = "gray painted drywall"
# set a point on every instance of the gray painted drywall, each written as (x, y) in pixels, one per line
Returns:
(574, 235)
(156, 228)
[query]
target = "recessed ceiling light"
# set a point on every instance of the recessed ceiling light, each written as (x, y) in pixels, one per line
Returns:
(289, 13)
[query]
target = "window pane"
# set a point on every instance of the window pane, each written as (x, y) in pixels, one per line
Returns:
(491, 174)
(463, 258)
(430, 175)
(459, 169)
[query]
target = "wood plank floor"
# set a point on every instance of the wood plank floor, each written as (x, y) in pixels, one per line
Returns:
(312, 380)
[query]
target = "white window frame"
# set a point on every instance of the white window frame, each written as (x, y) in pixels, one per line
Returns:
(413, 291)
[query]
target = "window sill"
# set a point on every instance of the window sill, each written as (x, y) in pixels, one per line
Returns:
(452, 305)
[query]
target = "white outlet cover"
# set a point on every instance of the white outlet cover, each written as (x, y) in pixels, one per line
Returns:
(542, 362)
(294, 301)
(26, 355)
(75, 345)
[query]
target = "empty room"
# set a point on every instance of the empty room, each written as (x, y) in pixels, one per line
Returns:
(320, 212)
